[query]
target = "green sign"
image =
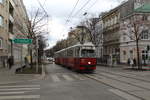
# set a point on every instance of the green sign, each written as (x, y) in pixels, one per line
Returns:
(23, 41)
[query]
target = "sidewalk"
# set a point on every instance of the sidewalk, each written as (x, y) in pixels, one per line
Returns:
(8, 75)
(124, 66)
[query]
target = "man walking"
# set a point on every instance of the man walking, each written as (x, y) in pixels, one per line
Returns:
(10, 62)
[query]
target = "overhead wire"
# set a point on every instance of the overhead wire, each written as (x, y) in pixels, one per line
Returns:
(43, 7)
(92, 5)
(85, 4)
(72, 11)
(69, 16)
(82, 7)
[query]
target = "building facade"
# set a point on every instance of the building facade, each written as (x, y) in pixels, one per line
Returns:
(117, 47)
(13, 24)
(128, 47)
(111, 35)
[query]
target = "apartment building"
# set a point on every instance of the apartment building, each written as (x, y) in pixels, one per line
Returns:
(128, 48)
(113, 43)
(111, 35)
(13, 24)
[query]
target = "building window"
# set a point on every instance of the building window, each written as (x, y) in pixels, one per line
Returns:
(10, 27)
(131, 53)
(0, 43)
(144, 35)
(124, 55)
(1, 20)
(145, 18)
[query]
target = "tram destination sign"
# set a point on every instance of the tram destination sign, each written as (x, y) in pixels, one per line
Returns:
(22, 41)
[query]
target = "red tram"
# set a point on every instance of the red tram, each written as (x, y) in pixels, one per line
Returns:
(80, 57)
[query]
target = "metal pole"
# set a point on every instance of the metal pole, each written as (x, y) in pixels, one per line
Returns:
(37, 46)
(21, 59)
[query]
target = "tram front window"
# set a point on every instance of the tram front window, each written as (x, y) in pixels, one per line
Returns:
(87, 53)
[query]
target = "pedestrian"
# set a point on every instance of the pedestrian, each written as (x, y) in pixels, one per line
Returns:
(128, 62)
(10, 62)
(131, 62)
(26, 62)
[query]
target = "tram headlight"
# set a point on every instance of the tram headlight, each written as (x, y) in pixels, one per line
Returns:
(89, 63)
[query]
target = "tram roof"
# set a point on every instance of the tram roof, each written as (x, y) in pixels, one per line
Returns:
(77, 45)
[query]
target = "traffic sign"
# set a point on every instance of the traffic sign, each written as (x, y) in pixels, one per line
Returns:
(22, 41)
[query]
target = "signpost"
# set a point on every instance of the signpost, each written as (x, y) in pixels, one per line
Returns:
(22, 41)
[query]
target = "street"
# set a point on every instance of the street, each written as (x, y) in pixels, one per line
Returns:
(60, 83)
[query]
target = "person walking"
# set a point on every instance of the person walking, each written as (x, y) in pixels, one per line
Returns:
(10, 62)
(131, 62)
(134, 62)
(128, 62)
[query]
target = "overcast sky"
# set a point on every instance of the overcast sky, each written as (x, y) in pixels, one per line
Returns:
(59, 11)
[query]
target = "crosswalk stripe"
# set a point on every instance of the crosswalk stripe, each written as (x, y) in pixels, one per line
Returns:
(15, 89)
(19, 97)
(20, 92)
(78, 77)
(67, 77)
(55, 78)
(19, 86)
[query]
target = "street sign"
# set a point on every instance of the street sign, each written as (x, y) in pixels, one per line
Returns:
(22, 41)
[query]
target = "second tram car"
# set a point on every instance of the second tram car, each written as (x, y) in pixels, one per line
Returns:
(80, 57)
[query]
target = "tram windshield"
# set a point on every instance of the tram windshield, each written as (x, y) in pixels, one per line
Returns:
(87, 53)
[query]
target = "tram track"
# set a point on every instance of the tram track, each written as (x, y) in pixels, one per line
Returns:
(139, 83)
(99, 81)
(140, 79)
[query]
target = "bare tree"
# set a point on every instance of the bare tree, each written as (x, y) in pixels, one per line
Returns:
(38, 21)
(94, 28)
(133, 28)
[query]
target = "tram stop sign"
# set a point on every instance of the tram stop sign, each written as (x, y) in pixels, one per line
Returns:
(23, 41)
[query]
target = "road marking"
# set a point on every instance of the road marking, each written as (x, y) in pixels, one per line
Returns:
(20, 92)
(55, 78)
(78, 77)
(6, 86)
(15, 89)
(123, 94)
(67, 77)
(20, 97)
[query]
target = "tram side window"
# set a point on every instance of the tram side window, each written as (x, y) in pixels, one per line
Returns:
(65, 54)
(70, 53)
(77, 50)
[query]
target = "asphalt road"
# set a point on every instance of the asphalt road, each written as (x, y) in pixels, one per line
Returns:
(63, 84)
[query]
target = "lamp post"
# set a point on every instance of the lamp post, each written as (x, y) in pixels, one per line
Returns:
(37, 51)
